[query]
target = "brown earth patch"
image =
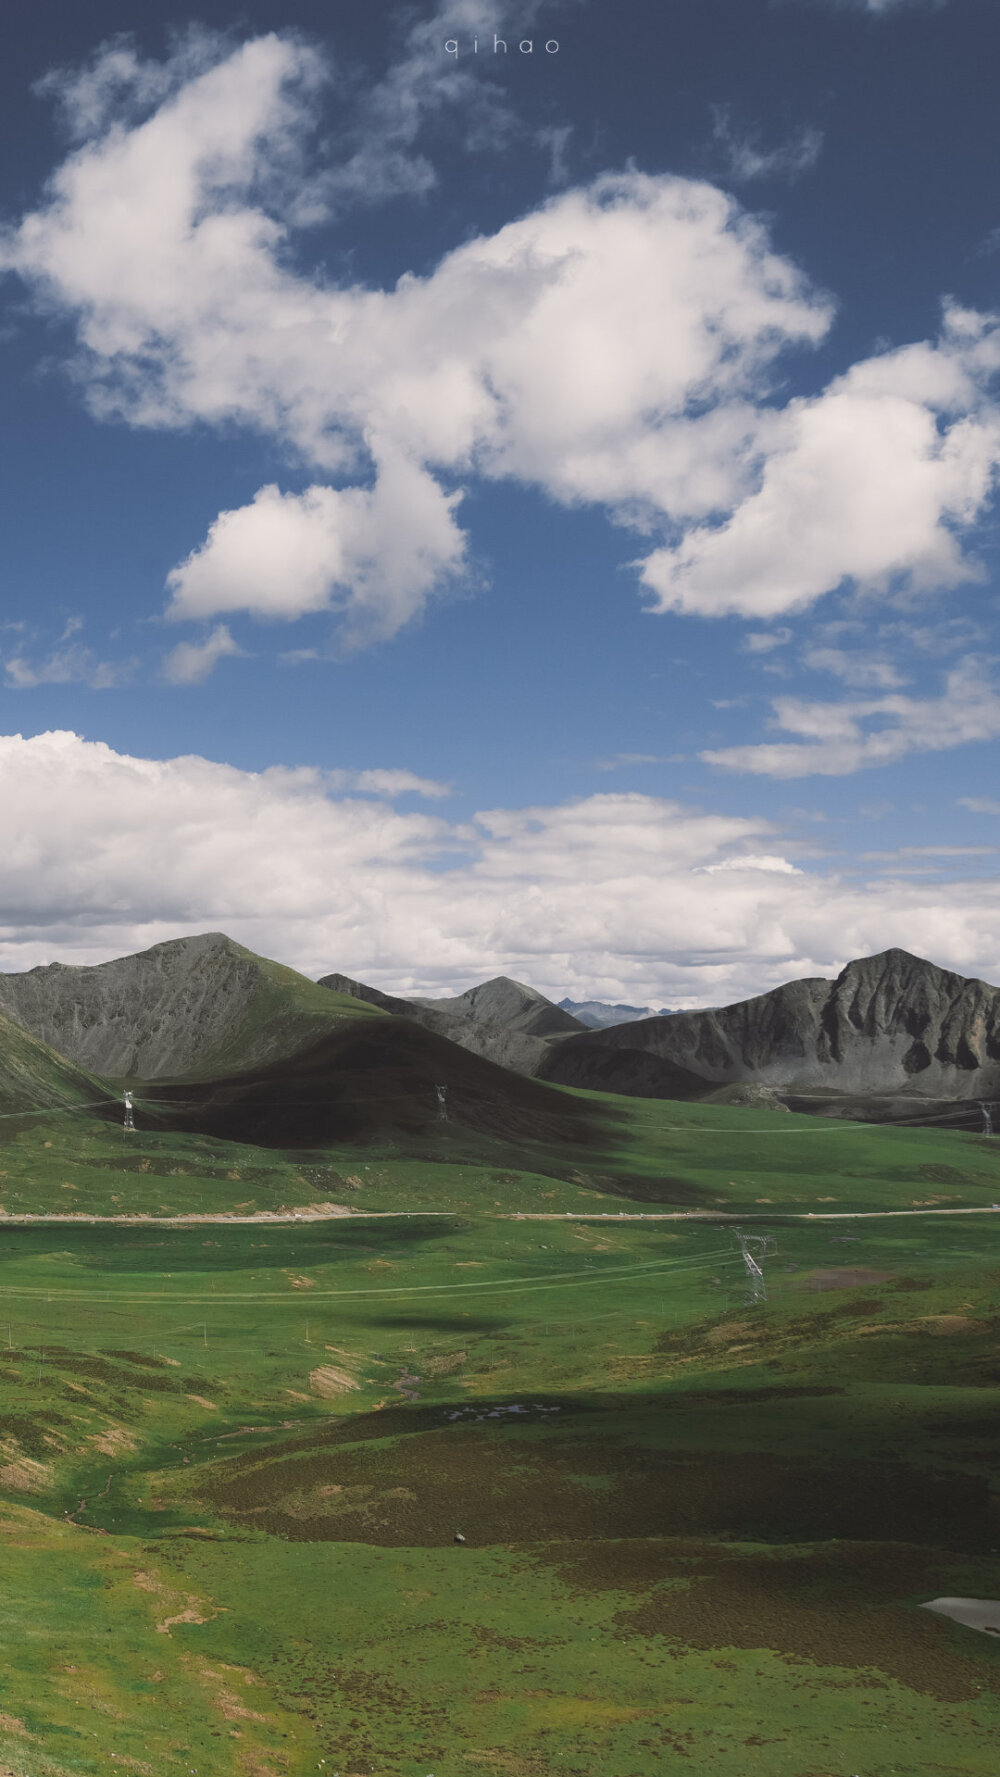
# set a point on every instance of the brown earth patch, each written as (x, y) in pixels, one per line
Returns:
(20, 1473)
(164, 1594)
(446, 1364)
(227, 1701)
(327, 1381)
(113, 1441)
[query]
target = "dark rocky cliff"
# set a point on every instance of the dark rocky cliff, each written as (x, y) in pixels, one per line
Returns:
(888, 1024)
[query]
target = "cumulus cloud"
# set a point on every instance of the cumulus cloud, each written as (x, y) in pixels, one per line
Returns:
(608, 347)
(845, 737)
(191, 663)
(621, 345)
(374, 554)
(106, 853)
(868, 482)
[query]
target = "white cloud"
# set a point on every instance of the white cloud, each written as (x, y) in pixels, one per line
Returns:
(846, 737)
(613, 895)
(190, 663)
(979, 804)
(764, 641)
(157, 239)
(379, 782)
(869, 482)
(373, 554)
(621, 345)
(768, 862)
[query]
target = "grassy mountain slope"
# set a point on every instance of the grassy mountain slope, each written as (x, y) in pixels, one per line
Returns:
(34, 1077)
(186, 1009)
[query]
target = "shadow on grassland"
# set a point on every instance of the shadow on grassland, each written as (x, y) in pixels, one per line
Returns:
(377, 1082)
(222, 1247)
(550, 1466)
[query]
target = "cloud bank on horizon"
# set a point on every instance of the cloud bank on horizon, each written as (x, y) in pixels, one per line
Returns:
(622, 346)
(628, 897)
(630, 344)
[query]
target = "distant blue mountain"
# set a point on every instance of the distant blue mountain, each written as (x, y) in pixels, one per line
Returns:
(600, 1016)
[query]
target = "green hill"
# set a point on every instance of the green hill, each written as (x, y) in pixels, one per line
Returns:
(186, 1009)
(33, 1077)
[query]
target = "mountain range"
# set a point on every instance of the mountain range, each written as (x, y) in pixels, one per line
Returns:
(598, 1014)
(225, 1041)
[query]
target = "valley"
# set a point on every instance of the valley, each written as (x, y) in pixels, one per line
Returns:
(341, 1430)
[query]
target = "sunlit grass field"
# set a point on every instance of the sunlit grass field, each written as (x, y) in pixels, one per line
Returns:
(234, 1458)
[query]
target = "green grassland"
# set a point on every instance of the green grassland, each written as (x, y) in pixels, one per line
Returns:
(234, 1457)
(638, 1154)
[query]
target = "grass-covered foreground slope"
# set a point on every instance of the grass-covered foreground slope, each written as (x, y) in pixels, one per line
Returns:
(234, 1457)
(698, 1534)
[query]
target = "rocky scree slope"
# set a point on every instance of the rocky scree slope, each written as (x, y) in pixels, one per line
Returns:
(888, 1024)
(186, 1009)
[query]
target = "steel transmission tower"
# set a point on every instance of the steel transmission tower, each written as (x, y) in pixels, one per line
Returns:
(442, 1092)
(749, 1245)
(987, 1119)
(129, 1123)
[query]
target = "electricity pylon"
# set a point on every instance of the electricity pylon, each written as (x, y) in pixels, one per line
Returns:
(442, 1092)
(761, 1244)
(129, 1123)
(987, 1119)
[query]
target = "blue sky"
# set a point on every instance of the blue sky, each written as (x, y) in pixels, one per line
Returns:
(469, 512)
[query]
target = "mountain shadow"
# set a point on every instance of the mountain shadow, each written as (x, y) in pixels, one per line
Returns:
(381, 1080)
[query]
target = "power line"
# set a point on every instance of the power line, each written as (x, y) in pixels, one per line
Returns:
(514, 1285)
